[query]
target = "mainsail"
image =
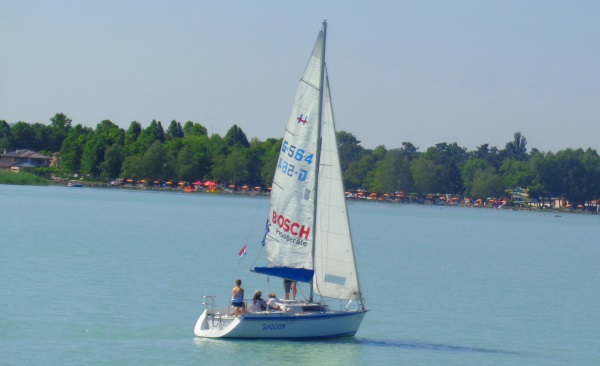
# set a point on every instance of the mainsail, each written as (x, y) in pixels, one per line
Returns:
(289, 241)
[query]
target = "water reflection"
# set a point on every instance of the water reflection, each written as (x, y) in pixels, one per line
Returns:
(277, 352)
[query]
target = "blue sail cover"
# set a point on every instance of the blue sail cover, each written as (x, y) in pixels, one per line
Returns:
(296, 274)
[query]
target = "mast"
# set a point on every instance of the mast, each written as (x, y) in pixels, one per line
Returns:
(318, 158)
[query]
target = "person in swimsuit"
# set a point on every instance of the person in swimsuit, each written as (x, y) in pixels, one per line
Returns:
(237, 298)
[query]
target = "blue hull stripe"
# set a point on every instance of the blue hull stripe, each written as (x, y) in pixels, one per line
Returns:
(349, 334)
(300, 317)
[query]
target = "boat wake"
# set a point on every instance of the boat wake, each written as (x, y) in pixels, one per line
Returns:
(423, 346)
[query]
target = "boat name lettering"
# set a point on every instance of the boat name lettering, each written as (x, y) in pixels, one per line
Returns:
(273, 326)
(288, 226)
(296, 153)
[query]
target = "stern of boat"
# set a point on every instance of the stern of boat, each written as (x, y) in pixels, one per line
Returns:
(215, 325)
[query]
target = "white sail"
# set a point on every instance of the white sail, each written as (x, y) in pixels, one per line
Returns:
(335, 268)
(289, 241)
(307, 207)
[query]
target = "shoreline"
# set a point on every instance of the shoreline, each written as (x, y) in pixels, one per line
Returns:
(548, 210)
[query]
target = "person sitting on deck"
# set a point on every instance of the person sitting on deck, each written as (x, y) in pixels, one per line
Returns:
(258, 304)
(273, 303)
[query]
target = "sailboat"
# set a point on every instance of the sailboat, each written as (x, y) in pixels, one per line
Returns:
(307, 237)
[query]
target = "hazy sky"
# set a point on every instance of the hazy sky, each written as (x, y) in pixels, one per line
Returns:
(470, 72)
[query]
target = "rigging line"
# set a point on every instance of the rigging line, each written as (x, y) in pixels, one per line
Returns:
(299, 289)
(259, 254)
(251, 225)
(256, 258)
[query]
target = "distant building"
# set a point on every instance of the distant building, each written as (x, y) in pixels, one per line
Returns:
(16, 161)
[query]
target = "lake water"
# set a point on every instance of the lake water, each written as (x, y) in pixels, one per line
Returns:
(116, 277)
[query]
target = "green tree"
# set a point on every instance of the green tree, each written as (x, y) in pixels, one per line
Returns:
(410, 150)
(72, 147)
(147, 136)
(5, 136)
(516, 149)
(235, 137)
(349, 149)
(537, 189)
(355, 175)
(270, 158)
(194, 129)
(469, 170)
(160, 131)
(169, 170)
(482, 152)
(486, 183)
(132, 168)
(23, 136)
(199, 147)
(60, 125)
(571, 174)
(173, 146)
(254, 161)
(232, 168)
(518, 173)
(41, 134)
(175, 130)
(393, 172)
(131, 137)
(448, 158)
(153, 161)
(187, 128)
(93, 153)
(591, 163)
(154, 132)
(428, 176)
(113, 160)
(489, 154)
(187, 167)
(217, 146)
(105, 135)
(380, 151)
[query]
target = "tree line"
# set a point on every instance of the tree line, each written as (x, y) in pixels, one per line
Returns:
(187, 153)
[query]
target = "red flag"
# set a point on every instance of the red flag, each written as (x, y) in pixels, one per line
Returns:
(243, 252)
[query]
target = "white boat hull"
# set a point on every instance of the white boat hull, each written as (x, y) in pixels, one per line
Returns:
(279, 325)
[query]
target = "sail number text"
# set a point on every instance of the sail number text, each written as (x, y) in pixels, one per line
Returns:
(289, 170)
(296, 153)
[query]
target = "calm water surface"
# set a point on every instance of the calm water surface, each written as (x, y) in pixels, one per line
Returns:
(109, 277)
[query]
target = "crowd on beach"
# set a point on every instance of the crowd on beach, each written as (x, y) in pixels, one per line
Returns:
(204, 187)
(509, 202)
